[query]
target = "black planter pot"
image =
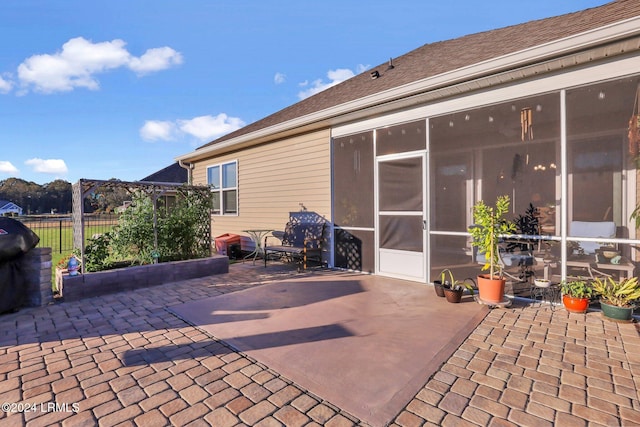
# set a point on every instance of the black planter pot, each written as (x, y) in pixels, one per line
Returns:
(439, 288)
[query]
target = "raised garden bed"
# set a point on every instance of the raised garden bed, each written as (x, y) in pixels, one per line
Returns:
(140, 276)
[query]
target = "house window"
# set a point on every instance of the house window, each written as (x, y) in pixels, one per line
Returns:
(223, 179)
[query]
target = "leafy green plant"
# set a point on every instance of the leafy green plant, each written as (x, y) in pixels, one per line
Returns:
(453, 283)
(182, 228)
(97, 254)
(621, 293)
(489, 226)
(635, 215)
(133, 237)
(576, 288)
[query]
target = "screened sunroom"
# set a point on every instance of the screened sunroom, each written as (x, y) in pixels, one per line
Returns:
(404, 190)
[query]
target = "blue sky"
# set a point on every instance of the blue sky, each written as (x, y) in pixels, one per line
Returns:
(117, 89)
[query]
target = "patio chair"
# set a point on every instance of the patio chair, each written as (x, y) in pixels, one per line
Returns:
(585, 261)
(300, 242)
(606, 229)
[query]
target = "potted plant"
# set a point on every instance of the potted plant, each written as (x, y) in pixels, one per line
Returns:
(617, 297)
(451, 288)
(576, 295)
(542, 283)
(438, 285)
(489, 226)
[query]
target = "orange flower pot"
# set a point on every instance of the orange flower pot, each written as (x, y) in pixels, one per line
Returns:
(490, 289)
(575, 305)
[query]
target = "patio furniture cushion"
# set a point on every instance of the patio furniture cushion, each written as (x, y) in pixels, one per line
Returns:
(517, 259)
(605, 229)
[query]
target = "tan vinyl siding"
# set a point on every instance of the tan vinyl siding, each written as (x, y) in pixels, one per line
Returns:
(273, 179)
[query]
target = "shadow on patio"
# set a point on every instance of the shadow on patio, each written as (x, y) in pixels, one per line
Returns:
(367, 343)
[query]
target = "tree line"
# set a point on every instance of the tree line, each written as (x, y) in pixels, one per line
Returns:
(56, 197)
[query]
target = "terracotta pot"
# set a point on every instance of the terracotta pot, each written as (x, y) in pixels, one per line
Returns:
(490, 289)
(453, 295)
(575, 305)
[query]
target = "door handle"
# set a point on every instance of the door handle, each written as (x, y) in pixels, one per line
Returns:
(424, 224)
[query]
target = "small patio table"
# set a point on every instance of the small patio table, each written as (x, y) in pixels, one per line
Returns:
(592, 266)
(257, 236)
(541, 294)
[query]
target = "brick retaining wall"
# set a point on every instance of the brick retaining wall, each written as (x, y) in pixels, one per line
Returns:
(36, 266)
(129, 278)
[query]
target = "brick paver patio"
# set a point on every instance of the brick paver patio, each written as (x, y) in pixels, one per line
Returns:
(123, 359)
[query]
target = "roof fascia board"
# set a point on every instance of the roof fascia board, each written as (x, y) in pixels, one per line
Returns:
(419, 108)
(546, 51)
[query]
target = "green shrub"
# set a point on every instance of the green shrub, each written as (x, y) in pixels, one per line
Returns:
(182, 228)
(97, 256)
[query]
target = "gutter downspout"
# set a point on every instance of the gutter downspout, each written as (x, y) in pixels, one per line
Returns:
(189, 167)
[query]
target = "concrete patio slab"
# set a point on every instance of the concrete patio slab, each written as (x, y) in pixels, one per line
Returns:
(365, 343)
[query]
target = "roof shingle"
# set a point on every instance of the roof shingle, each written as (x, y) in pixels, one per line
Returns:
(440, 57)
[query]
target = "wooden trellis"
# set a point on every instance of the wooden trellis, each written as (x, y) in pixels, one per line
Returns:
(153, 189)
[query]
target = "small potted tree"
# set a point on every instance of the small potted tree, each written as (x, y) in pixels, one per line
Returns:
(576, 295)
(617, 297)
(489, 226)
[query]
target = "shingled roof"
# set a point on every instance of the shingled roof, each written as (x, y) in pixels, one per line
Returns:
(172, 173)
(441, 57)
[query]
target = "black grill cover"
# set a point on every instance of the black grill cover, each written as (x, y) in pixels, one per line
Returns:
(16, 239)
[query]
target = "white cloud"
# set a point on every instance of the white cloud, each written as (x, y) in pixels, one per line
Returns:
(203, 128)
(5, 85)
(207, 128)
(52, 166)
(335, 77)
(154, 130)
(80, 60)
(362, 68)
(279, 78)
(7, 167)
(156, 59)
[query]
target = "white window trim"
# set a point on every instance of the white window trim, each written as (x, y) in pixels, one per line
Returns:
(222, 188)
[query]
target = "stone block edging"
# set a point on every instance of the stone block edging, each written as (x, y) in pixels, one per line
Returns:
(124, 279)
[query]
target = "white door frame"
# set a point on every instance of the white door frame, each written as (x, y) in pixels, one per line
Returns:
(395, 263)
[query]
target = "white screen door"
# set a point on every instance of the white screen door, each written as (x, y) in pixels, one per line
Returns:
(401, 217)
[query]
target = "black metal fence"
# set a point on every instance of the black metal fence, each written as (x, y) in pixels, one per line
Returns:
(56, 231)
